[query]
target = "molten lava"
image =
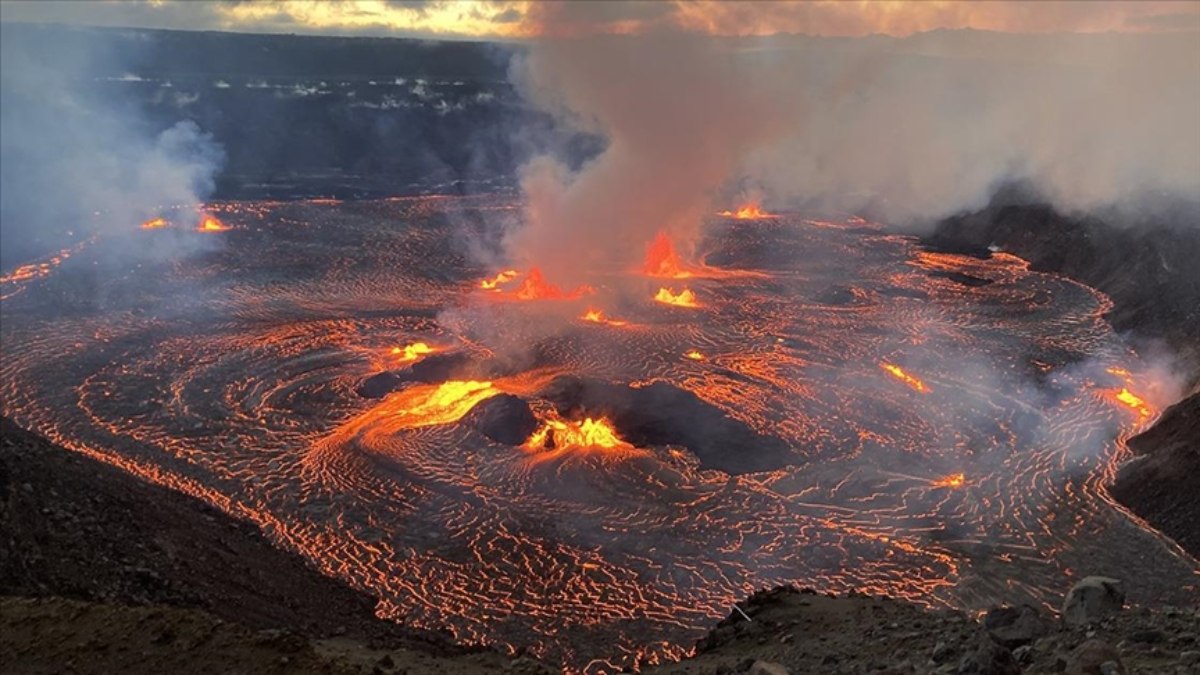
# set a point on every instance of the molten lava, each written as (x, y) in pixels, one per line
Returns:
(748, 212)
(684, 298)
(661, 259)
(209, 223)
(498, 280)
(954, 480)
(695, 355)
(412, 352)
(535, 287)
(155, 223)
(914, 383)
(427, 405)
(1133, 401)
(597, 316)
(590, 433)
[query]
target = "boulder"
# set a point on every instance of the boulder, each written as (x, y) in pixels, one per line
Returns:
(985, 657)
(1092, 599)
(1094, 657)
(380, 385)
(1013, 627)
(505, 419)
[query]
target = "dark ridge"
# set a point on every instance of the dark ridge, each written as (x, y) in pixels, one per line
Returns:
(80, 529)
(1149, 270)
(661, 414)
(1161, 484)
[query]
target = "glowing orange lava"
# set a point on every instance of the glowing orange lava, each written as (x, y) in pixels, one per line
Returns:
(209, 223)
(695, 355)
(661, 259)
(597, 316)
(535, 287)
(954, 480)
(684, 298)
(1133, 401)
(914, 383)
(498, 280)
(154, 224)
(412, 352)
(427, 405)
(748, 212)
(590, 433)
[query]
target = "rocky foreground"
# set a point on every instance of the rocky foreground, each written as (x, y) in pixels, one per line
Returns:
(786, 630)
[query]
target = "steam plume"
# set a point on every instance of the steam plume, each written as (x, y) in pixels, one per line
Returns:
(76, 159)
(909, 130)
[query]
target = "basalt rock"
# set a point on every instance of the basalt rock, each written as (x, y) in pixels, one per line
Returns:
(662, 414)
(379, 385)
(1094, 657)
(985, 657)
(1013, 627)
(504, 418)
(1092, 599)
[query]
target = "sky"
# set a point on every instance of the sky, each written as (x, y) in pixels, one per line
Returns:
(522, 19)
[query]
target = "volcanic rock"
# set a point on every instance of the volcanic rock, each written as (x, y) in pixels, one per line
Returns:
(504, 418)
(1094, 658)
(438, 368)
(661, 414)
(1160, 484)
(1092, 599)
(379, 385)
(1147, 270)
(1014, 626)
(985, 657)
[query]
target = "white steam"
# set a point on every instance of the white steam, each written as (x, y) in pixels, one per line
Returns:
(910, 129)
(78, 159)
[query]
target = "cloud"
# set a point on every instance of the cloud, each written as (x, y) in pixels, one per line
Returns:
(517, 19)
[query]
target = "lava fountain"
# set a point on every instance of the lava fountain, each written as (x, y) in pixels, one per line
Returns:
(210, 223)
(684, 298)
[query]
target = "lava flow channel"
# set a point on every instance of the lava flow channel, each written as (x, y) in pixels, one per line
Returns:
(600, 553)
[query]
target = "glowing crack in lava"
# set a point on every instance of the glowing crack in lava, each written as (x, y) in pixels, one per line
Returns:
(694, 355)
(210, 223)
(913, 383)
(155, 223)
(535, 287)
(747, 212)
(501, 278)
(622, 544)
(684, 298)
(412, 352)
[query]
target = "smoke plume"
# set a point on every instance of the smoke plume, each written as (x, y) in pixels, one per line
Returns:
(77, 159)
(906, 130)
